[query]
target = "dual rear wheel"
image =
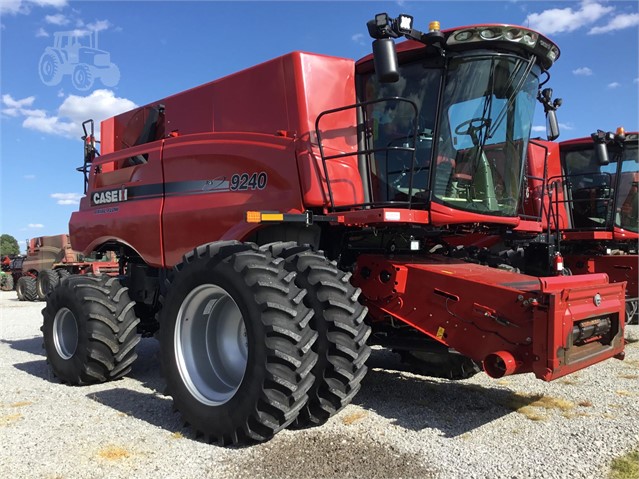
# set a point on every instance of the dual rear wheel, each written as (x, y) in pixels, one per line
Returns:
(247, 349)
(253, 340)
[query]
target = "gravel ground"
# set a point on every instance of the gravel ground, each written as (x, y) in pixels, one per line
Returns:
(399, 426)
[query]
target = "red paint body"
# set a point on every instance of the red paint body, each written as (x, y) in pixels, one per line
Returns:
(480, 311)
(618, 267)
(181, 195)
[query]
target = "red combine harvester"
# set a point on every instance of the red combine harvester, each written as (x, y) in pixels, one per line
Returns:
(591, 205)
(278, 221)
(49, 260)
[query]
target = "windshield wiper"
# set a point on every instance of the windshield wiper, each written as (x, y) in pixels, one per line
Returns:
(502, 114)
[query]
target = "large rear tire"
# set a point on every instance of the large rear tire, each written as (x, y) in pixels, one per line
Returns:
(342, 333)
(89, 330)
(236, 343)
(46, 282)
(26, 288)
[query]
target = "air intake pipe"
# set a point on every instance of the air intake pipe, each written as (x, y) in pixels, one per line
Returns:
(500, 364)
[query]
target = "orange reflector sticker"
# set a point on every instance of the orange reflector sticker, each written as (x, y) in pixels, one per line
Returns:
(272, 217)
(440, 332)
(253, 216)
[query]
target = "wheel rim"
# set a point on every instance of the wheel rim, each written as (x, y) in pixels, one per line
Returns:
(65, 333)
(211, 344)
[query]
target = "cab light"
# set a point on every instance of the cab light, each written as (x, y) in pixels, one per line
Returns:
(490, 34)
(405, 23)
(463, 36)
(434, 26)
(620, 131)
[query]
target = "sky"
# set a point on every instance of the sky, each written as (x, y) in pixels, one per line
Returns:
(164, 47)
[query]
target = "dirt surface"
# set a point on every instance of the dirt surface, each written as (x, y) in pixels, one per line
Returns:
(399, 426)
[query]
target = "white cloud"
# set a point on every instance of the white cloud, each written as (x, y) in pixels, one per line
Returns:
(566, 126)
(16, 107)
(57, 19)
(35, 225)
(99, 105)
(67, 198)
(14, 7)
(620, 22)
(538, 128)
(614, 84)
(558, 20)
(11, 103)
(29, 177)
(636, 80)
(41, 33)
(99, 25)
(582, 71)
(358, 38)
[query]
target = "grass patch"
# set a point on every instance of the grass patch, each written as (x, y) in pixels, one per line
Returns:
(177, 435)
(531, 413)
(21, 404)
(354, 417)
(113, 453)
(629, 376)
(529, 405)
(574, 414)
(549, 402)
(633, 363)
(10, 419)
(623, 393)
(625, 467)
(569, 382)
(585, 403)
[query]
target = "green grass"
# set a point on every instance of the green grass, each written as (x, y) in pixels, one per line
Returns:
(625, 467)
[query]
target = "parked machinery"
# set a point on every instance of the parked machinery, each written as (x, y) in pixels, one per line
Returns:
(272, 224)
(590, 205)
(49, 260)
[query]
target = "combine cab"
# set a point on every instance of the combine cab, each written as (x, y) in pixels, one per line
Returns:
(276, 231)
(590, 205)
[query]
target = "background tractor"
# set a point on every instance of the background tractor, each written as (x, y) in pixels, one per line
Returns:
(49, 260)
(77, 55)
(275, 223)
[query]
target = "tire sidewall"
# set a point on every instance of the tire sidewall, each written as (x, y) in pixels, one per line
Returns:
(68, 370)
(242, 403)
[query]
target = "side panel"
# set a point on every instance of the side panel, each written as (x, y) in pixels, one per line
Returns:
(123, 203)
(619, 268)
(213, 179)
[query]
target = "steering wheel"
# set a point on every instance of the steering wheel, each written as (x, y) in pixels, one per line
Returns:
(471, 128)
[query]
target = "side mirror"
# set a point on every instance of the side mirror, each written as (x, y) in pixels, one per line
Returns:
(385, 60)
(600, 140)
(552, 125)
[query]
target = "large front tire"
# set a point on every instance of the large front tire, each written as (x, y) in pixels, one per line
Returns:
(26, 288)
(236, 343)
(46, 282)
(89, 330)
(342, 333)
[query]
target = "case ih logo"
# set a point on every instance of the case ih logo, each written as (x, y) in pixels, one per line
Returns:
(110, 196)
